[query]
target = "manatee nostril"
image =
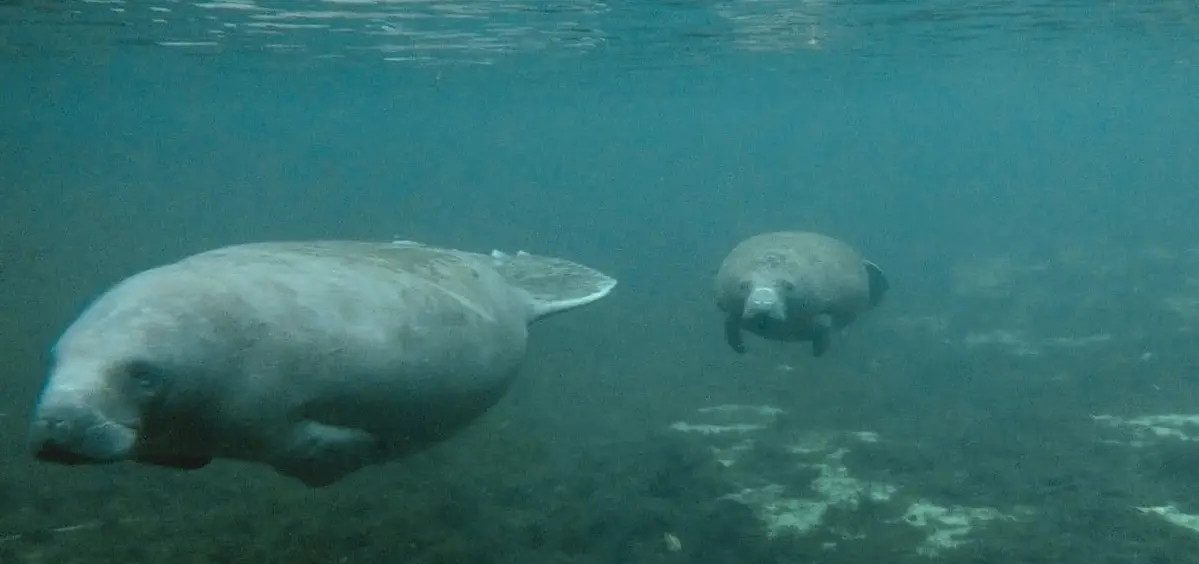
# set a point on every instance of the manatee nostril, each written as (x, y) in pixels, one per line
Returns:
(51, 430)
(50, 437)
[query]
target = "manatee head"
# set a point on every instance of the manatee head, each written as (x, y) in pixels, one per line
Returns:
(90, 411)
(104, 398)
(765, 298)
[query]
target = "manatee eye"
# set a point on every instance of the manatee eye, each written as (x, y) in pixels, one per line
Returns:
(145, 379)
(787, 286)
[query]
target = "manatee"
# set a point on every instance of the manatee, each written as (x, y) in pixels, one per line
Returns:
(314, 358)
(795, 286)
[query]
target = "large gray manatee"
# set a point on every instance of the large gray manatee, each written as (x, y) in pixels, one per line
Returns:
(315, 358)
(795, 286)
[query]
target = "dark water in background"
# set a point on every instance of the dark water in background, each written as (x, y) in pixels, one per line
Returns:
(644, 139)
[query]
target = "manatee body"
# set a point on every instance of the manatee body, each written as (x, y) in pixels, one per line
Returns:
(315, 358)
(795, 286)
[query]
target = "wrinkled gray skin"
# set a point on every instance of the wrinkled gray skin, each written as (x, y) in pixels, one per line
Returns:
(315, 358)
(795, 286)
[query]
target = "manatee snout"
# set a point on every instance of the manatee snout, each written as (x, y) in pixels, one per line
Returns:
(75, 433)
(763, 304)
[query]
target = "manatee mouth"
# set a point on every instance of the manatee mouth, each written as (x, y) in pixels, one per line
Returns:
(764, 305)
(57, 454)
(78, 436)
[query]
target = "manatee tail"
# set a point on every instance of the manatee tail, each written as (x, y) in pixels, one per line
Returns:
(554, 285)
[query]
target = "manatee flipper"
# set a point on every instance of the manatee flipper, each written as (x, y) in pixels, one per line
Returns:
(320, 454)
(822, 334)
(553, 285)
(177, 462)
(732, 334)
(878, 282)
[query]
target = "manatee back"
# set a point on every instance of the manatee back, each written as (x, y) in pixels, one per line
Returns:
(537, 285)
(459, 272)
(300, 293)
